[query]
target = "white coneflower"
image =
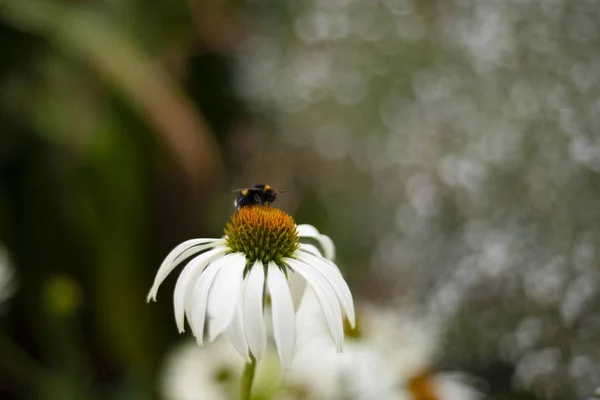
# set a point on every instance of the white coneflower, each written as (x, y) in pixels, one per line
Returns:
(225, 286)
(386, 357)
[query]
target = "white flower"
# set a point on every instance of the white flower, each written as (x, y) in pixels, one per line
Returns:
(190, 373)
(387, 357)
(214, 372)
(225, 286)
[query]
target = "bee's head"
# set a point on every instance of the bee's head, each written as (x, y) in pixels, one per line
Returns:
(270, 194)
(270, 189)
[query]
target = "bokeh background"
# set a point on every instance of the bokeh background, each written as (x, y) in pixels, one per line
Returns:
(449, 147)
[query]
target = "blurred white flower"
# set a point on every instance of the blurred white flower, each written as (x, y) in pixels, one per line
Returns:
(191, 373)
(387, 356)
(225, 286)
(8, 284)
(214, 373)
(449, 386)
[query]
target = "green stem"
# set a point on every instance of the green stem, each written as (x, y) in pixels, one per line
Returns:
(248, 378)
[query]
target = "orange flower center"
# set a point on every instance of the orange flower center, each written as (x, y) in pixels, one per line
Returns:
(262, 233)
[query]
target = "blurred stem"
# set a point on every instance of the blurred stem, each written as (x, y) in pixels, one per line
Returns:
(19, 364)
(248, 379)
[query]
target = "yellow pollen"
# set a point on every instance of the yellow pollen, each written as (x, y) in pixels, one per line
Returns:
(267, 187)
(262, 233)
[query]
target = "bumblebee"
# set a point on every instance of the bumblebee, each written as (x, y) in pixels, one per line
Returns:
(257, 195)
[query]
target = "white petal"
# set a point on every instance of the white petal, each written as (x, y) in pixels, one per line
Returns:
(309, 248)
(197, 249)
(168, 265)
(184, 285)
(235, 334)
(297, 286)
(224, 295)
(327, 298)
(333, 275)
(254, 322)
(284, 318)
(200, 295)
(313, 251)
(325, 241)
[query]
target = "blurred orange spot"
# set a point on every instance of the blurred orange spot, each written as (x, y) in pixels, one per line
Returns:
(420, 386)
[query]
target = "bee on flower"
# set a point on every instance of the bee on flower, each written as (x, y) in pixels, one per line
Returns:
(258, 195)
(224, 288)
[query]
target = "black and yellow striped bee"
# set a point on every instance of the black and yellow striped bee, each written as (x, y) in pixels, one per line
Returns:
(257, 195)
